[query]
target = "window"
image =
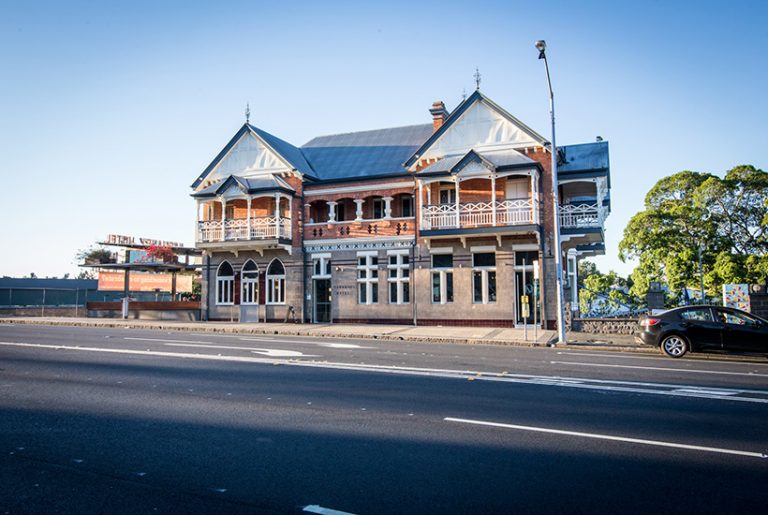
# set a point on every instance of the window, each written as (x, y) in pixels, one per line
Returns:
(250, 283)
(734, 318)
(484, 277)
(276, 282)
(700, 314)
(367, 279)
(406, 206)
(442, 278)
(225, 284)
(340, 213)
(378, 208)
(448, 194)
(321, 266)
(399, 278)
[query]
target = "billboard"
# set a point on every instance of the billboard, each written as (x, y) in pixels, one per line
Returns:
(143, 281)
(736, 296)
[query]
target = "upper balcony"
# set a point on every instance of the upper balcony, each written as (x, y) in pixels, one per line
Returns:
(584, 205)
(360, 217)
(244, 222)
(244, 229)
(492, 204)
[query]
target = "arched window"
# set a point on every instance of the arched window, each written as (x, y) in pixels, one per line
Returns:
(276, 282)
(249, 285)
(225, 284)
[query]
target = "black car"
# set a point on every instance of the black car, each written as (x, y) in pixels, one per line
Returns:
(704, 328)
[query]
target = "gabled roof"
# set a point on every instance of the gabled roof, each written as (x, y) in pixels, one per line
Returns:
(364, 154)
(246, 185)
(497, 160)
(461, 109)
(285, 150)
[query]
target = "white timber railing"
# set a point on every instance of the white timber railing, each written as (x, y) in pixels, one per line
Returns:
(581, 215)
(479, 214)
(243, 229)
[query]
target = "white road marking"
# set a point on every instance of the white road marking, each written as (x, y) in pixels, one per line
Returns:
(759, 396)
(618, 355)
(321, 344)
(314, 508)
(657, 443)
(684, 370)
(708, 391)
(272, 353)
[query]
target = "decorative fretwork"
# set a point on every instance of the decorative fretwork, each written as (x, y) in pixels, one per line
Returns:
(581, 215)
(479, 214)
(244, 229)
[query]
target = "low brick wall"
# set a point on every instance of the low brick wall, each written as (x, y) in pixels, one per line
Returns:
(606, 325)
(759, 304)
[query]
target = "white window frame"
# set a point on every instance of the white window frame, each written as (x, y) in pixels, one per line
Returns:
(225, 286)
(370, 273)
(275, 285)
(325, 266)
(442, 273)
(484, 271)
(249, 286)
(451, 189)
(400, 279)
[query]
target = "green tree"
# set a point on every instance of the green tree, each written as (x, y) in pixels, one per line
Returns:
(688, 213)
(601, 294)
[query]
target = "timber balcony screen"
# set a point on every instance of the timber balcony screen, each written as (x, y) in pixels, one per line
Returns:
(479, 214)
(244, 229)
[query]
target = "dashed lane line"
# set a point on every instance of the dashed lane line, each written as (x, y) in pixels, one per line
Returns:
(667, 369)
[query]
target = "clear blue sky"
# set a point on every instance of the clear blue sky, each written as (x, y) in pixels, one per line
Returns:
(109, 111)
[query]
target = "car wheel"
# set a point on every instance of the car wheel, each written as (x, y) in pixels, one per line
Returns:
(674, 346)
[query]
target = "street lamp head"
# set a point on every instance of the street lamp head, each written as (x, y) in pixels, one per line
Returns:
(541, 46)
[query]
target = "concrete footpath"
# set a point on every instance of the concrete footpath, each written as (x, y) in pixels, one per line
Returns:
(436, 334)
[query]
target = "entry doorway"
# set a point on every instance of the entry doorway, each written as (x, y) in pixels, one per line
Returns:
(322, 298)
(527, 286)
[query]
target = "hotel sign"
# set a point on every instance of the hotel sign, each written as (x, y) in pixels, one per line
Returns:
(119, 239)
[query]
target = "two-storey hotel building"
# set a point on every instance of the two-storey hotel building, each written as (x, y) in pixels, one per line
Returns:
(449, 223)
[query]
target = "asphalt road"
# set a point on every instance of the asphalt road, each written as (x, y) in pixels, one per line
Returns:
(128, 421)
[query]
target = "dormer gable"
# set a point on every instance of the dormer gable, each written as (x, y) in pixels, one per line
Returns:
(477, 123)
(250, 153)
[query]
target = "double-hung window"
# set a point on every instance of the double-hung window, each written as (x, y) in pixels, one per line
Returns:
(276, 282)
(483, 277)
(378, 208)
(442, 278)
(399, 277)
(225, 285)
(367, 278)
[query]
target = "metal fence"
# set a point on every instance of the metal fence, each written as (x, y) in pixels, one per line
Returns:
(68, 298)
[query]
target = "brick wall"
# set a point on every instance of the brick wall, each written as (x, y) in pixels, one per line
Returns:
(759, 304)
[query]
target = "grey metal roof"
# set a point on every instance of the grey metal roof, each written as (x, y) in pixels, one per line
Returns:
(290, 153)
(247, 185)
(364, 154)
(584, 157)
(499, 159)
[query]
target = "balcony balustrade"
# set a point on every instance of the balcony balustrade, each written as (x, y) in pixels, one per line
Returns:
(479, 214)
(581, 216)
(243, 229)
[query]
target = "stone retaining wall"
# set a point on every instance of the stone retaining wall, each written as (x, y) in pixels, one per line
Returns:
(606, 325)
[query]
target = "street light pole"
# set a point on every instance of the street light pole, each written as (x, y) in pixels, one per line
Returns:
(541, 46)
(701, 273)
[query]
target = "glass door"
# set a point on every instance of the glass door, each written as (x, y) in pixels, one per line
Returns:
(322, 296)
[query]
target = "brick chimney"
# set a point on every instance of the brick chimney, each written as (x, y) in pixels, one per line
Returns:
(439, 114)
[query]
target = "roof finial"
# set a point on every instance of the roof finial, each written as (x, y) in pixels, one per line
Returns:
(247, 113)
(463, 94)
(477, 78)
